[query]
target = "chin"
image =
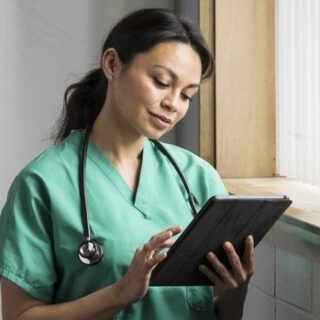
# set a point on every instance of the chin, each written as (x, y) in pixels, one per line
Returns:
(154, 135)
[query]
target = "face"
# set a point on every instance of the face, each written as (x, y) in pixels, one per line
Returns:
(152, 94)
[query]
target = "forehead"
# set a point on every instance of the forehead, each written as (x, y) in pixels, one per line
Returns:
(181, 58)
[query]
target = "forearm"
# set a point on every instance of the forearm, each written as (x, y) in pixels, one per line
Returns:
(100, 305)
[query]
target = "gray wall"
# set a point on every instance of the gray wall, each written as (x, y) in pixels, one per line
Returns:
(44, 46)
(187, 131)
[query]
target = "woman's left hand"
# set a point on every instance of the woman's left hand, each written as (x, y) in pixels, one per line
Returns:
(231, 284)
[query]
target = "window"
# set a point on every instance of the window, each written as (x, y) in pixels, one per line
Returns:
(298, 89)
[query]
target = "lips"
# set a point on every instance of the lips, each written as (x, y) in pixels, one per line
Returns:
(162, 118)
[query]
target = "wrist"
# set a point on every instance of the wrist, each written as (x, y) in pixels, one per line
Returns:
(124, 299)
(229, 304)
(226, 311)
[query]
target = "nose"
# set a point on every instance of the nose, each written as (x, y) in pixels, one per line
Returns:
(170, 102)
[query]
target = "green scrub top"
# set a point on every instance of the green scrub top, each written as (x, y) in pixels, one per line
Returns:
(41, 227)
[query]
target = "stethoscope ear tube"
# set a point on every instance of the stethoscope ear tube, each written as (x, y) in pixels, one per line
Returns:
(191, 198)
(90, 251)
(82, 183)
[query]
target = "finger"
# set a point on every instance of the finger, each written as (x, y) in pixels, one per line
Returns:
(171, 231)
(175, 230)
(166, 244)
(211, 275)
(158, 240)
(157, 258)
(247, 258)
(221, 270)
(235, 262)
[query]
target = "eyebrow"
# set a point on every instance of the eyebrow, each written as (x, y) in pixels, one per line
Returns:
(175, 76)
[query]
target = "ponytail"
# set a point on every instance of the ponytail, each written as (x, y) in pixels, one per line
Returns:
(83, 101)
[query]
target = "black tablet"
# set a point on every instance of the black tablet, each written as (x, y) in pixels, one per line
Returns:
(222, 218)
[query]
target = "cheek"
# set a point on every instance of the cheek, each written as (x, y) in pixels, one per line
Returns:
(148, 94)
(142, 93)
(183, 111)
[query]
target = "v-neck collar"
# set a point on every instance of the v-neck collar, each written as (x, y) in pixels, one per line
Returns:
(110, 170)
(146, 180)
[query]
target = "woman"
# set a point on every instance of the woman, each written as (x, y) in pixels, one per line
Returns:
(151, 66)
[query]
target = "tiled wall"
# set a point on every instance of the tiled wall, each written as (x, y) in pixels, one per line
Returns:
(286, 283)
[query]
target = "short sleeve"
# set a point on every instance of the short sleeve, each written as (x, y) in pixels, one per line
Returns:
(26, 241)
(215, 184)
(204, 179)
(208, 183)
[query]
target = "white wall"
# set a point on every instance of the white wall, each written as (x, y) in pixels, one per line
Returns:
(44, 46)
(286, 283)
(298, 89)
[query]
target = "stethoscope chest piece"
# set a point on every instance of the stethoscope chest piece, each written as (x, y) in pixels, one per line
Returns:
(90, 252)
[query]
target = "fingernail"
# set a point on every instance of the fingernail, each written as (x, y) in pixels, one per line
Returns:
(227, 246)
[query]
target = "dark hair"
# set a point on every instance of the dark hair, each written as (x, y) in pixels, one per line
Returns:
(135, 33)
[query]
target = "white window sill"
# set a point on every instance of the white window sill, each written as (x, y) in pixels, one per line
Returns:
(304, 212)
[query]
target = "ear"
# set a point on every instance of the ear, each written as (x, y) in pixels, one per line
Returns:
(111, 63)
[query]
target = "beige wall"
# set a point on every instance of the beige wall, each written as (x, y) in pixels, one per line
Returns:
(241, 101)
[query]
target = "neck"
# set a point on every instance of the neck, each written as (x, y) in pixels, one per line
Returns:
(114, 139)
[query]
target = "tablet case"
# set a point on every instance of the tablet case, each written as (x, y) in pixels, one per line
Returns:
(222, 218)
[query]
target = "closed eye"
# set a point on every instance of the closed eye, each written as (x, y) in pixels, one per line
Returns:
(160, 83)
(186, 97)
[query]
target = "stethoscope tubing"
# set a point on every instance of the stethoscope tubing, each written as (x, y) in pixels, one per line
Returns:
(191, 197)
(91, 251)
(82, 185)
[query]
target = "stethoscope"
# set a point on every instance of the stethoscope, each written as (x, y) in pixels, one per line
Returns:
(90, 250)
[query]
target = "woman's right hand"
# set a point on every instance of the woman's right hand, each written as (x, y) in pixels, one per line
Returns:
(135, 283)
